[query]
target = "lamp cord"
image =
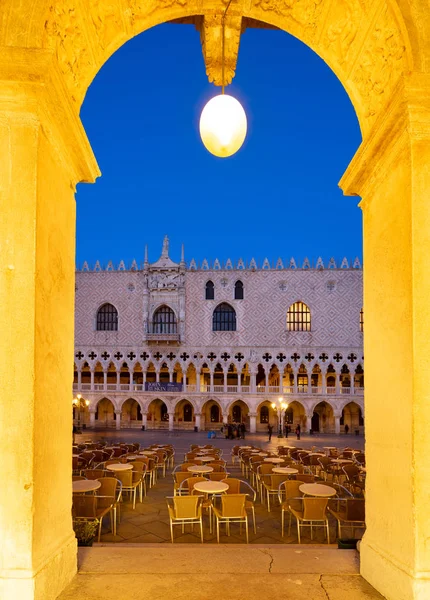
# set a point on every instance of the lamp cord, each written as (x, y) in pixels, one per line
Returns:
(223, 46)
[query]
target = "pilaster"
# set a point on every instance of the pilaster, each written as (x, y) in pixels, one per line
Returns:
(44, 154)
(390, 171)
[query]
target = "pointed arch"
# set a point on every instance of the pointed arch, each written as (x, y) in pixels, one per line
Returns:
(164, 320)
(107, 318)
(224, 318)
(210, 290)
(299, 317)
(238, 290)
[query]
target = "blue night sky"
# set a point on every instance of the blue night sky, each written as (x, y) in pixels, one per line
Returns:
(278, 196)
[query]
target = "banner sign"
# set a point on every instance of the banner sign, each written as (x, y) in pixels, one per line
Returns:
(162, 387)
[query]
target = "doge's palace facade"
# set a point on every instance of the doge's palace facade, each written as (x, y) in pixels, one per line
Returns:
(178, 346)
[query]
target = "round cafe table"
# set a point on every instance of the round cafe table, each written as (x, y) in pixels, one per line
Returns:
(317, 489)
(245, 447)
(132, 456)
(316, 454)
(85, 485)
(274, 460)
(148, 452)
(206, 458)
(211, 487)
(285, 470)
(200, 469)
(342, 461)
(119, 467)
(261, 454)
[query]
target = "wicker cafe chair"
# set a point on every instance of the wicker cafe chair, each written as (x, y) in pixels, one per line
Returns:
(314, 511)
(290, 490)
(351, 514)
(232, 510)
(178, 478)
(129, 484)
(183, 510)
(139, 474)
(95, 473)
(85, 509)
(271, 486)
(109, 495)
(238, 486)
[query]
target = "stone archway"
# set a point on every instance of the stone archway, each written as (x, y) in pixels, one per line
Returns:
(49, 54)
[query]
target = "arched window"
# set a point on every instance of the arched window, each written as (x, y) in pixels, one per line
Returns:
(210, 291)
(188, 413)
(163, 412)
(164, 321)
(238, 290)
(299, 317)
(107, 318)
(361, 320)
(214, 413)
(237, 414)
(264, 414)
(224, 318)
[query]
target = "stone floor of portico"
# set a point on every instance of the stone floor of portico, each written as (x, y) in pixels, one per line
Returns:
(234, 572)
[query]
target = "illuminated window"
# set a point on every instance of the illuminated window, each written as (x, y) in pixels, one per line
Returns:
(238, 290)
(224, 318)
(164, 321)
(107, 318)
(361, 320)
(214, 413)
(299, 317)
(210, 291)
(188, 413)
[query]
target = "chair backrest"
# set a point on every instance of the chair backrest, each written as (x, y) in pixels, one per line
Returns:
(75, 463)
(360, 457)
(355, 509)
(217, 467)
(94, 473)
(351, 471)
(305, 478)
(234, 485)
(139, 467)
(190, 483)
(78, 477)
(180, 476)
(187, 507)
(125, 477)
(265, 468)
(143, 459)
(314, 509)
(185, 465)
(276, 479)
(220, 476)
(107, 492)
(291, 488)
(84, 506)
(233, 505)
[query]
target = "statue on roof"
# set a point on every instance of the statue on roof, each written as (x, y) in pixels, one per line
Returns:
(165, 251)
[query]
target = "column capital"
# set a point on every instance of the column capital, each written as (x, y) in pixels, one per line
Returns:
(33, 89)
(407, 116)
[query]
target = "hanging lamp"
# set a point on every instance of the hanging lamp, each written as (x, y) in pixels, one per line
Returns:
(223, 123)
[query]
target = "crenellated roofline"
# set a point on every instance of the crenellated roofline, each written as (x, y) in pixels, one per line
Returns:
(229, 265)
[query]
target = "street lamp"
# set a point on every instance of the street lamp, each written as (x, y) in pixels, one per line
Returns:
(80, 403)
(281, 407)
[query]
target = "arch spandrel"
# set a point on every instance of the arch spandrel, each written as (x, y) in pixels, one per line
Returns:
(365, 43)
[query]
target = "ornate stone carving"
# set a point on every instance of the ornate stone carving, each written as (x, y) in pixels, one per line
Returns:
(303, 13)
(64, 33)
(106, 18)
(342, 28)
(380, 63)
(164, 281)
(210, 28)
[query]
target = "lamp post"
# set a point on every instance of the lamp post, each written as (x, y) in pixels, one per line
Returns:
(80, 403)
(280, 407)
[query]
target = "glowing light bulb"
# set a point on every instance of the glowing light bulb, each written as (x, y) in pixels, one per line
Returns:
(223, 125)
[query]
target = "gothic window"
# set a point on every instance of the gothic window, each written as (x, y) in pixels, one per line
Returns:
(237, 414)
(188, 413)
(361, 320)
(264, 414)
(224, 318)
(210, 291)
(164, 414)
(299, 317)
(238, 290)
(107, 318)
(164, 321)
(214, 413)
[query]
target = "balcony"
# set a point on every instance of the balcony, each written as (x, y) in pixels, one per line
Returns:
(162, 332)
(270, 391)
